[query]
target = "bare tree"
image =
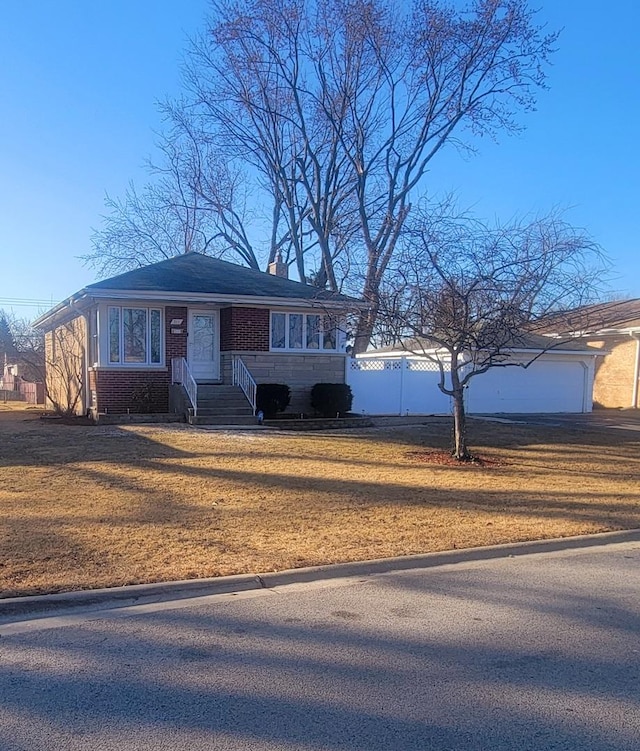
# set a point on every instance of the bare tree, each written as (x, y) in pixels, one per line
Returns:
(463, 294)
(56, 359)
(333, 110)
(64, 366)
(340, 105)
(7, 339)
(173, 214)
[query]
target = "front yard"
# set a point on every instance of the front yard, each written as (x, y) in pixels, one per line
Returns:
(90, 507)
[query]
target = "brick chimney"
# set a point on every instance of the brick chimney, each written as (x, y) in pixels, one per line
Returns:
(279, 267)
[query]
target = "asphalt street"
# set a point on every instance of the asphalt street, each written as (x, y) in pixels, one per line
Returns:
(534, 652)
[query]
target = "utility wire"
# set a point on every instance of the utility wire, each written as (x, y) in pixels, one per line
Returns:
(25, 301)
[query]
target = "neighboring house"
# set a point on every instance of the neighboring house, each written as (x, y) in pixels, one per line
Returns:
(24, 378)
(17, 367)
(613, 328)
(396, 381)
(118, 338)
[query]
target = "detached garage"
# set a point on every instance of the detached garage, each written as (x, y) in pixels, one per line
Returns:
(556, 382)
(394, 383)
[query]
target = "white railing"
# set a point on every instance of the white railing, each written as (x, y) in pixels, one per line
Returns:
(243, 378)
(180, 373)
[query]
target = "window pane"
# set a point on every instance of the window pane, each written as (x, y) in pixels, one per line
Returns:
(202, 346)
(277, 330)
(114, 335)
(134, 331)
(313, 332)
(295, 331)
(155, 336)
(329, 338)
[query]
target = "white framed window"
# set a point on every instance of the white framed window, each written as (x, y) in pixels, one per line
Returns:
(135, 336)
(307, 332)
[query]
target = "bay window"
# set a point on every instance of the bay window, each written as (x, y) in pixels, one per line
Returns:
(135, 336)
(306, 332)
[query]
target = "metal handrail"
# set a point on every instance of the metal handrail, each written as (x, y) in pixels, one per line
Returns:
(243, 378)
(180, 373)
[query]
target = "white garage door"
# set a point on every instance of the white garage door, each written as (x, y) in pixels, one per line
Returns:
(545, 386)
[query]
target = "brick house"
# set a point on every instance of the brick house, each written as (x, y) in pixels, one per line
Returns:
(613, 328)
(129, 335)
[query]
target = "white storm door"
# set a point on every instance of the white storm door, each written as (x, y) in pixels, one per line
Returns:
(204, 345)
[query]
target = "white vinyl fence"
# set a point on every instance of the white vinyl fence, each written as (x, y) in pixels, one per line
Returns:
(396, 386)
(401, 385)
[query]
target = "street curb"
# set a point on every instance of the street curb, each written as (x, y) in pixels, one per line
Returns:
(39, 606)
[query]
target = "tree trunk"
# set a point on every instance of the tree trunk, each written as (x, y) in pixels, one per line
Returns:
(364, 331)
(460, 450)
(366, 319)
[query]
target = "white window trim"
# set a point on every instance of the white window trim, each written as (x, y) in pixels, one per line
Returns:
(337, 350)
(121, 364)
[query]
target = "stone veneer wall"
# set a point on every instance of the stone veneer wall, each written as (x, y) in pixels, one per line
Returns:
(299, 372)
(613, 384)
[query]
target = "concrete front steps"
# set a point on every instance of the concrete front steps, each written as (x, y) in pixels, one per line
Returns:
(219, 404)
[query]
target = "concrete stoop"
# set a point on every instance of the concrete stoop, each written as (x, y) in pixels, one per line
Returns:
(219, 404)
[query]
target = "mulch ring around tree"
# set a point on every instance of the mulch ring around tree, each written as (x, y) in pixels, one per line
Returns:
(444, 458)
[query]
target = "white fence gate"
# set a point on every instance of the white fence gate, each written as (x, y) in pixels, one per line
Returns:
(396, 386)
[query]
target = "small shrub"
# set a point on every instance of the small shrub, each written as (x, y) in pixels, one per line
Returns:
(331, 399)
(147, 398)
(272, 398)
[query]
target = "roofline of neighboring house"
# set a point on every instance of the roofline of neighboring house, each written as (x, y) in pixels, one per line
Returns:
(622, 331)
(86, 296)
(591, 312)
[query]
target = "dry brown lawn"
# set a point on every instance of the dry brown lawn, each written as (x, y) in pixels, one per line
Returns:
(87, 507)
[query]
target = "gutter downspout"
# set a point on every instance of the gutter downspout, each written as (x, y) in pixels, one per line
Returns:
(636, 371)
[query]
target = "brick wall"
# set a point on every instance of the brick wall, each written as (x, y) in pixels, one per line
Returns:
(613, 385)
(175, 344)
(116, 389)
(244, 329)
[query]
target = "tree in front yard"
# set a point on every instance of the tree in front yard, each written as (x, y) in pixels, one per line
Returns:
(463, 294)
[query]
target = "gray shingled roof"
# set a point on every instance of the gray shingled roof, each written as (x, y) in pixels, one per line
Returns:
(199, 274)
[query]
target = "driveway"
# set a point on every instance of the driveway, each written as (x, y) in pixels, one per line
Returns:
(530, 652)
(601, 419)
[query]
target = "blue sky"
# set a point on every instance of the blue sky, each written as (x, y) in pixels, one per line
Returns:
(79, 83)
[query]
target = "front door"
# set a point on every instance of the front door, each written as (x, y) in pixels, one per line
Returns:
(204, 345)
